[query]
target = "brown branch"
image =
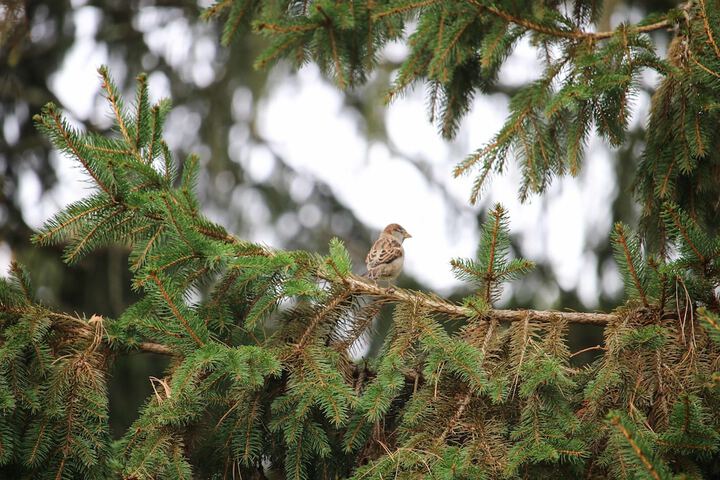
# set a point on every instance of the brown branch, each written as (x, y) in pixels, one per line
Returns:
(589, 349)
(151, 347)
(360, 285)
(708, 29)
(215, 9)
(573, 34)
(636, 448)
(456, 418)
(706, 69)
(287, 29)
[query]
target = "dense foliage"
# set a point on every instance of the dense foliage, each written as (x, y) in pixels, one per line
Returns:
(588, 82)
(262, 383)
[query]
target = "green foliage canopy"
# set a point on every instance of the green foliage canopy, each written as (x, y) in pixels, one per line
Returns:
(261, 382)
(588, 82)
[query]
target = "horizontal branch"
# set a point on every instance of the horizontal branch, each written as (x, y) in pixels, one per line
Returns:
(151, 347)
(360, 285)
(575, 34)
(76, 326)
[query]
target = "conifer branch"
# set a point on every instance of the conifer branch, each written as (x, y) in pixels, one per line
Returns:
(77, 327)
(441, 403)
(315, 320)
(336, 57)
(364, 318)
(175, 310)
(615, 421)
(490, 274)
(403, 8)
(72, 255)
(665, 186)
(455, 418)
(239, 15)
(215, 9)
(469, 395)
(441, 58)
(501, 138)
(143, 255)
(287, 29)
(141, 106)
(708, 29)
(32, 458)
(162, 268)
(678, 223)
(154, 133)
(360, 285)
(328, 25)
(174, 220)
(60, 127)
(571, 34)
(438, 305)
(19, 273)
(115, 151)
(151, 347)
(632, 271)
(114, 103)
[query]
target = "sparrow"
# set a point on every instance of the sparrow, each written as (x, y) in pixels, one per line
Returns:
(385, 259)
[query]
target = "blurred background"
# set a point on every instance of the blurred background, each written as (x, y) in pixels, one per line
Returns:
(289, 161)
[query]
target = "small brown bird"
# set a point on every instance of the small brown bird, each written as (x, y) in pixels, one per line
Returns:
(385, 259)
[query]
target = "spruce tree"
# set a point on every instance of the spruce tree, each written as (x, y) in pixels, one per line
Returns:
(261, 383)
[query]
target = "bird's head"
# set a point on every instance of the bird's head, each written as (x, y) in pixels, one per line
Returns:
(397, 232)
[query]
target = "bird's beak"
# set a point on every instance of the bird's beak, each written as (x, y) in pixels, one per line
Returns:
(406, 235)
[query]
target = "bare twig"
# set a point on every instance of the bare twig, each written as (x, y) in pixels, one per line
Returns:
(589, 349)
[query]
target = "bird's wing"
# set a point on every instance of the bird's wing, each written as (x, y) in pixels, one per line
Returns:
(384, 251)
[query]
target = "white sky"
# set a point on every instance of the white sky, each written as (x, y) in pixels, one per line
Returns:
(304, 118)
